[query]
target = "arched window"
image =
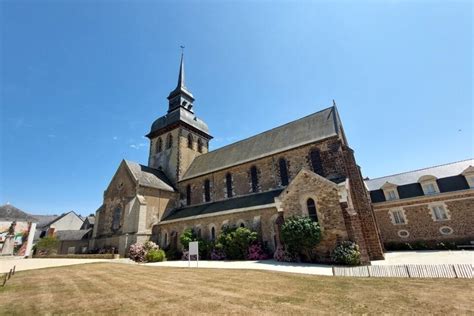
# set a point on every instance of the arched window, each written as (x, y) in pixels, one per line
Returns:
(283, 171)
(228, 182)
(312, 210)
(242, 225)
(207, 190)
(213, 233)
(188, 194)
(254, 178)
(190, 141)
(199, 233)
(316, 164)
(159, 145)
(165, 240)
(200, 145)
(169, 141)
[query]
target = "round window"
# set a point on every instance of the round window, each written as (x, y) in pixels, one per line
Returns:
(446, 230)
(403, 233)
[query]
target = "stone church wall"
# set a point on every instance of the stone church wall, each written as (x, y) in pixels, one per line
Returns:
(268, 171)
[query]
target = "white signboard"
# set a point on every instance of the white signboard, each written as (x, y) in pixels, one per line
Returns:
(193, 251)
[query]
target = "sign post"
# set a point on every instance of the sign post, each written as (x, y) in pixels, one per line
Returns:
(193, 251)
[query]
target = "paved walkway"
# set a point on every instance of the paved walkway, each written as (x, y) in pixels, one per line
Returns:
(391, 258)
(7, 263)
(427, 257)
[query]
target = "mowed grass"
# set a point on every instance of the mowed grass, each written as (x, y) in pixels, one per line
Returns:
(107, 288)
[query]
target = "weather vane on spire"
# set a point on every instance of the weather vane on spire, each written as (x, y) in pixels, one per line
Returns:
(182, 49)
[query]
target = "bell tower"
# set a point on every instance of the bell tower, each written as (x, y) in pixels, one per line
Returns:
(179, 136)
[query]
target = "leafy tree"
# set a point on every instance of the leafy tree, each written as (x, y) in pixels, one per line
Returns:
(47, 245)
(187, 236)
(300, 235)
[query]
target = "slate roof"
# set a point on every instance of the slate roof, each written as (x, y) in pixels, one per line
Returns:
(225, 205)
(314, 127)
(149, 177)
(72, 234)
(44, 220)
(10, 213)
(441, 171)
(175, 116)
(57, 218)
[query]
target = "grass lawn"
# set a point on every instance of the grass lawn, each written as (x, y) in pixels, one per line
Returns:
(130, 289)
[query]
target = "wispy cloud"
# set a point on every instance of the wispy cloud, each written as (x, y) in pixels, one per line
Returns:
(138, 146)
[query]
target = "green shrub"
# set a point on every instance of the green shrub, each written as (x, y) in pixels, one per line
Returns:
(155, 255)
(47, 246)
(299, 235)
(235, 242)
(347, 253)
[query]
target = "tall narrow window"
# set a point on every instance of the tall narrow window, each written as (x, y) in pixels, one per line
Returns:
(200, 145)
(169, 141)
(188, 194)
(316, 164)
(283, 171)
(254, 178)
(312, 210)
(213, 233)
(190, 141)
(207, 190)
(228, 182)
(398, 217)
(439, 213)
(159, 145)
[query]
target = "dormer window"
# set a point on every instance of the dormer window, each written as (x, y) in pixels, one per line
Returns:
(390, 191)
(469, 175)
(429, 185)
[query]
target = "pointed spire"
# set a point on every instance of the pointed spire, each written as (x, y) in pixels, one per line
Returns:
(181, 97)
(181, 70)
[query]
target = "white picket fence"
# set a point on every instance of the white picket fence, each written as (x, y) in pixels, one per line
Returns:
(464, 271)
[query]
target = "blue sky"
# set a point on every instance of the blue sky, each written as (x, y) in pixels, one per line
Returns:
(82, 81)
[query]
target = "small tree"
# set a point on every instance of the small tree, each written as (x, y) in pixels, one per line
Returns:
(47, 245)
(300, 235)
(186, 237)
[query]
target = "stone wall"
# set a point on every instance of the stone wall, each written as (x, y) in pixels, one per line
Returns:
(419, 219)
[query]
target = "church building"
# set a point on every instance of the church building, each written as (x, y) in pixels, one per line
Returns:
(304, 167)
